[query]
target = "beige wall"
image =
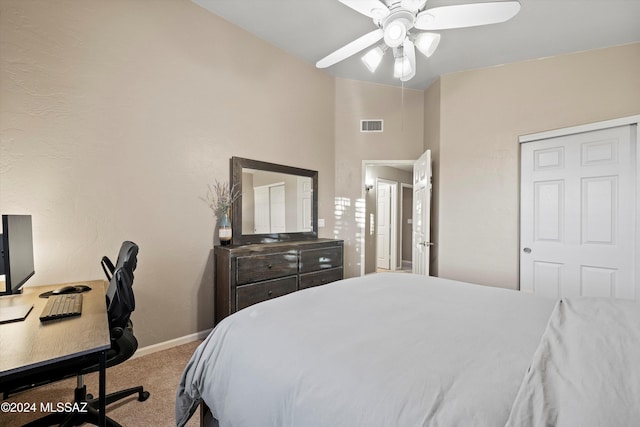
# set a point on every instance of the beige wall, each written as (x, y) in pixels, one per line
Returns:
(402, 139)
(482, 113)
(114, 117)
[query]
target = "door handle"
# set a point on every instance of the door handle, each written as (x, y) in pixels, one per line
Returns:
(426, 243)
(527, 250)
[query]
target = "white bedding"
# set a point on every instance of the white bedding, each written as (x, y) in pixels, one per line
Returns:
(381, 350)
(586, 371)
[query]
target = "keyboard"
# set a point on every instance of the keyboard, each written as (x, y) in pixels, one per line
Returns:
(61, 306)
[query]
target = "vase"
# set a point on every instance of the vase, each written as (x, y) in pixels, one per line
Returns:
(224, 229)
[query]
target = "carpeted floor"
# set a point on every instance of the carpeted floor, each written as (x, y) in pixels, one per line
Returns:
(159, 373)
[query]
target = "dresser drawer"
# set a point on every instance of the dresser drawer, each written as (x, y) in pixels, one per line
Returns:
(317, 278)
(247, 295)
(262, 267)
(320, 259)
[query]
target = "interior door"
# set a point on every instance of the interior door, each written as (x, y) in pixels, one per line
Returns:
(383, 225)
(578, 215)
(421, 214)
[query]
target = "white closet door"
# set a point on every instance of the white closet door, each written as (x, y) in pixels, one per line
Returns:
(305, 197)
(277, 209)
(262, 210)
(578, 202)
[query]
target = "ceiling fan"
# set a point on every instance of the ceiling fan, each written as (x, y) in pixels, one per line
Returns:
(397, 22)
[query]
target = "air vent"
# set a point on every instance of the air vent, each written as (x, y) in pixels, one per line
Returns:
(370, 125)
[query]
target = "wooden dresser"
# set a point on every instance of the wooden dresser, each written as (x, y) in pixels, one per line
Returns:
(248, 274)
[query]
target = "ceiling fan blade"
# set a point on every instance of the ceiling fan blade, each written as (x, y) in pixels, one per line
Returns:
(351, 49)
(371, 8)
(410, 52)
(466, 15)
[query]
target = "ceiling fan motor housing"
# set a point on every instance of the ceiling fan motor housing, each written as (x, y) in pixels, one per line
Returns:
(396, 25)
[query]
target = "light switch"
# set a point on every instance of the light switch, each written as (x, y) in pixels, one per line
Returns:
(320, 222)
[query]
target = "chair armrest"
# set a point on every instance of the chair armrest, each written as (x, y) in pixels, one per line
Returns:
(107, 267)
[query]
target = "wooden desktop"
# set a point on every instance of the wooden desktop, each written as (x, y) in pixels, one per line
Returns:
(28, 344)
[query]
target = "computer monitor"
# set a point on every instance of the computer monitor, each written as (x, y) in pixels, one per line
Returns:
(16, 250)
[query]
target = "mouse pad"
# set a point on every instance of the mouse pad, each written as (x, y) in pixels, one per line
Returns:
(49, 293)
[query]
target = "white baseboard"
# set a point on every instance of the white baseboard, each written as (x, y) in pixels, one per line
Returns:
(171, 343)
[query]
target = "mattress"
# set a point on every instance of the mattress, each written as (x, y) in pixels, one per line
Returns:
(390, 349)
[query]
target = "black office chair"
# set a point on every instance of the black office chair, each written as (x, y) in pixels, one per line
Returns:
(120, 305)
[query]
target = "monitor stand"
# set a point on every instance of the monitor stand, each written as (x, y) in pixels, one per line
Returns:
(14, 313)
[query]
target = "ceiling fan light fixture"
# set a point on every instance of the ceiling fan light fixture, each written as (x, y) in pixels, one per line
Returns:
(394, 33)
(373, 58)
(427, 43)
(401, 67)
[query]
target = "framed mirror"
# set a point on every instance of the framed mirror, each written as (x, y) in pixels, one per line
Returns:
(277, 202)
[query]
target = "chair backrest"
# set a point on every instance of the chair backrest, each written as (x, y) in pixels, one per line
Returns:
(120, 299)
(127, 257)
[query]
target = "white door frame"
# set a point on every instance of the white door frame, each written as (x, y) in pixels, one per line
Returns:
(634, 121)
(363, 197)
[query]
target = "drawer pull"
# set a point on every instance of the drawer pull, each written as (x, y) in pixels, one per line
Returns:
(270, 293)
(269, 266)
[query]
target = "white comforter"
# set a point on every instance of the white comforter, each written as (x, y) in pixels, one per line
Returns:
(586, 371)
(381, 350)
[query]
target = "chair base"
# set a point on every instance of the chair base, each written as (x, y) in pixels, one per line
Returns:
(89, 406)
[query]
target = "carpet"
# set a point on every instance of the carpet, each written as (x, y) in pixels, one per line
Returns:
(159, 373)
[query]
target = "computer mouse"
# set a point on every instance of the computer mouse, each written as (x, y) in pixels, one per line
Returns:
(82, 288)
(64, 290)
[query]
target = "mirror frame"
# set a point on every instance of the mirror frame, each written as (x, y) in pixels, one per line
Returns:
(238, 238)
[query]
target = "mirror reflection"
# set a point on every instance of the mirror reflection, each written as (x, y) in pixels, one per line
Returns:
(276, 202)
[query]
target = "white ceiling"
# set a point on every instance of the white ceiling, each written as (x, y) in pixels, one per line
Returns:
(311, 29)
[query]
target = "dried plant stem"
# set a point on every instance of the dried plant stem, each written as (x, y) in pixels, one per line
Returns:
(220, 198)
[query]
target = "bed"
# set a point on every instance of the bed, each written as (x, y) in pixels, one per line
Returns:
(397, 349)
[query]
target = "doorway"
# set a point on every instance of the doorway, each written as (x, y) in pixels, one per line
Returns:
(393, 178)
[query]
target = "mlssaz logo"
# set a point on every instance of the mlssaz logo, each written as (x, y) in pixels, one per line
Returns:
(64, 407)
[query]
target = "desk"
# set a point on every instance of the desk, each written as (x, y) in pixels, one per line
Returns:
(30, 344)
